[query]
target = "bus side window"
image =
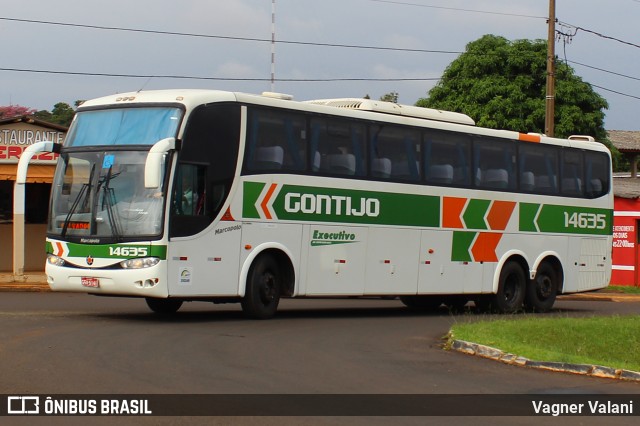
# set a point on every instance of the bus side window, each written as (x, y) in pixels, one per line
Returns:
(572, 182)
(395, 153)
(494, 163)
(341, 145)
(276, 141)
(538, 168)
(447, 159)
(597, 174)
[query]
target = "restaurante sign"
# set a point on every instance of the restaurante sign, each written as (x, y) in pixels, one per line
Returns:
(16, 137)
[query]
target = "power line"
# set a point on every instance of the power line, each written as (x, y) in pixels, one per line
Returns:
(600, 34)
(616, 92)
(287, 80)
(603, 70)
(187, 77)
(457, 9)
(261, 40)
(251, 39)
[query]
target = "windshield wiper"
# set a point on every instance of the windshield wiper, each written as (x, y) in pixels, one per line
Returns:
(86, 189)
(109, 200)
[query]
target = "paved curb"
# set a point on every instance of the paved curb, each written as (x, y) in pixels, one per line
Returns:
(31, 281)
(599, 371)
(602, 296)
(33, 287)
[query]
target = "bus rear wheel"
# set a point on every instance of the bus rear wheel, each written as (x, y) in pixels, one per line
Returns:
(512, 286)
(163, 306)
(542, 290)
(264, 284)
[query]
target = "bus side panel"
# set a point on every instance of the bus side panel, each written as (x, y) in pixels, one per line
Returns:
(442, 271)
(336, 260)
(589, 264)
(206, 264)
(392, 261)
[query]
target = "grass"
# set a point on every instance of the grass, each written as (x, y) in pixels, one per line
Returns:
(606, 341)
(623, 289)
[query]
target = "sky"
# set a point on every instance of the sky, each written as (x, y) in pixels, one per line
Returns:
(228, 46)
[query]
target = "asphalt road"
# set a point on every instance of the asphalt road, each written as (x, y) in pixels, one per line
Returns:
(56, 343)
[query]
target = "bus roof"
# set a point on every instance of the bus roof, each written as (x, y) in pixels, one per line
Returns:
(191, 98)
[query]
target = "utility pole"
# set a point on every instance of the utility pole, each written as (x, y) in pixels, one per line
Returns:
(273, 45)
(550, 107)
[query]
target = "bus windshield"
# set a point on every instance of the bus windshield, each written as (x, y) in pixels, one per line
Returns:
(101, 195)
(123, 126)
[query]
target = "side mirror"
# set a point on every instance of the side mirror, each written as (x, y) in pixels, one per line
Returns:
(153, 164)
(29, 152)
(19, 200)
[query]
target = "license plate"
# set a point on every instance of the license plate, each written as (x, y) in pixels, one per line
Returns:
(90, 282)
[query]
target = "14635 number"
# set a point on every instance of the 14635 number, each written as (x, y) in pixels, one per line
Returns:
(585, 220)
(124, 251)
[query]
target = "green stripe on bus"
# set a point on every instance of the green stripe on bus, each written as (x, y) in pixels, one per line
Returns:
(302, 203)
(112, 251)
(565, 219)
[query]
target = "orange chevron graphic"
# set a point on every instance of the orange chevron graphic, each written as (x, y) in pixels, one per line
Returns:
(484, 248)
(265, 202)
(59, 249)
(451, 211)
(499, 214)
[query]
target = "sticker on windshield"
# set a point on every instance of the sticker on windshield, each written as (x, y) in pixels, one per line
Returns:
(108, 161)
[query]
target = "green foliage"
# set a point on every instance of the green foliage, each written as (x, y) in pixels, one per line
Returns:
(390, 97)
(502, 85)
(62, 114)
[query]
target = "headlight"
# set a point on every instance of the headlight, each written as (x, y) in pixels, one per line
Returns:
(139, 263)
(52, 259)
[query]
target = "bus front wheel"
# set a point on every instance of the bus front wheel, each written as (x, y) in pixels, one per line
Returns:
(263, 288)
(542, 290)
(163, 306)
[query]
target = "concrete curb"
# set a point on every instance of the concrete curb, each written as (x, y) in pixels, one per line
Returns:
(29, 282)
(33, 287)
(602, 296)
(599, 371)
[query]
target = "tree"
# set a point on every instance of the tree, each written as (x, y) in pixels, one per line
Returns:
(502, 84)
(390, 97)
(61, 114)
(15, 111)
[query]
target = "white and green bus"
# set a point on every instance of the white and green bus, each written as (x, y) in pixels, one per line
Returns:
(196, 195)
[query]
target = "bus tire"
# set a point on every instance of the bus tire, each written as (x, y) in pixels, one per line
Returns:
(512, 286)
(422, 302)
(163, 306)
(264, 283)
(542, 290)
